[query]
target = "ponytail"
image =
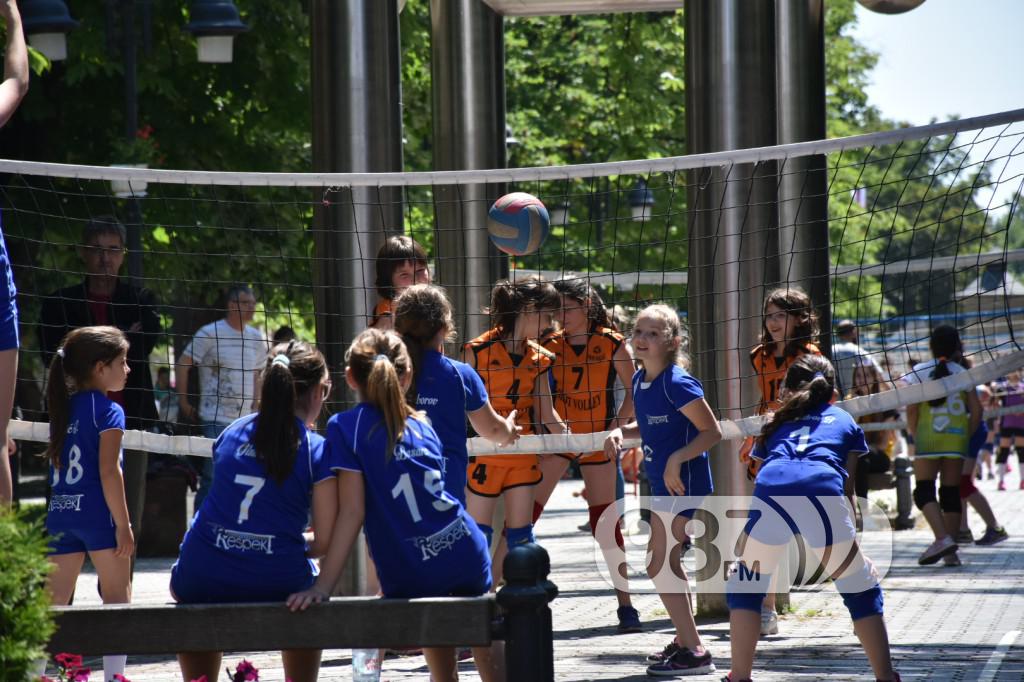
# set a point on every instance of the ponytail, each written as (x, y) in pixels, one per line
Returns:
(292, 372)
(72, 368)
(945, 345)
(378, 361)
(811, 382)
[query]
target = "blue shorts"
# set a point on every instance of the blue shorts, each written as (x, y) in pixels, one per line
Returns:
(977, 442)
(811, 503)
(680, 505)
(206, 575)
(8, 302)
(74, 540)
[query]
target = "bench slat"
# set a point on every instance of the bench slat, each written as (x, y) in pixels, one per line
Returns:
(348, 622)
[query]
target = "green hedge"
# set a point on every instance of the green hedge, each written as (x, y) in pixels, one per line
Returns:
(25, 619)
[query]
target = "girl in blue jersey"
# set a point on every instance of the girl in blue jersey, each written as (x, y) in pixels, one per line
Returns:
(447, 390)
(677, 427)
(423, 542)
(808, 452)
(941, 430)
(246, 542)
(87, 511)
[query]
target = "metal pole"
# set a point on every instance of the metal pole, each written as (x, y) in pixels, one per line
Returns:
(730, 104)
(129, 61)
(357, 127)
(803, 186)
(468, 70)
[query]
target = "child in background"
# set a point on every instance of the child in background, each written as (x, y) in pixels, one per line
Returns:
(390, 461)
(1011, 430)
(401, 262)
(807, 450)
(676, 426)
(246, 543)
(88, 513)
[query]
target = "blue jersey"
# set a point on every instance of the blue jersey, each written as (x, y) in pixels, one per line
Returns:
(821, 438)
(248, 531)
(664, 429)
(446, 390)
(422, 541)
(76, 499)
(8, 301)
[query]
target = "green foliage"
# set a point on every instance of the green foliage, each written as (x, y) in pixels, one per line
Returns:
(25, 619)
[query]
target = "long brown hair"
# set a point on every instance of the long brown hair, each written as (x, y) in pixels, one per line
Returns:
(508, 299)
(946, 347)
(378, 361)
(71, 368)
(394, 252)
(421, 312)
(810, 381)
(798, 304)
(292, 372)
(579, 290)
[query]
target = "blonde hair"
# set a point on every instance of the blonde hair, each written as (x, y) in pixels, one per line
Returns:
(673, 326)
(378, 361)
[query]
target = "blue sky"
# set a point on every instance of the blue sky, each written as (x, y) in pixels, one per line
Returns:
(946, 58)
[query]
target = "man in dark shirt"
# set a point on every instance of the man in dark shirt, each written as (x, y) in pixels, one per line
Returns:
(104, 299)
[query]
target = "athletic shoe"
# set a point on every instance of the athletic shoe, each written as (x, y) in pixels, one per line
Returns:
(897, 678)
(937, 550)
(629, 619)
(769, 621)
(992, 536)
(682, 662)
(1001, 486)
(952, 560)
(964, 537)
(584, 527)
(991, 476)
(670, 649)
(728, 678)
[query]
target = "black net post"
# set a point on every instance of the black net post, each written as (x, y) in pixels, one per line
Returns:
(524, 599)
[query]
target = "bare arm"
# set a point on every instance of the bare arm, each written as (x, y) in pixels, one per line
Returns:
(546, 406)
(15, 83)
(325, 512)
(494, 427)
(708, 433)
(613, 441)
(181, 371)
(113, 490)
(624, 370)
(351, 511)
(974, 408)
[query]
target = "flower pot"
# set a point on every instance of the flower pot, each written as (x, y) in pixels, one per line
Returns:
(128, 188)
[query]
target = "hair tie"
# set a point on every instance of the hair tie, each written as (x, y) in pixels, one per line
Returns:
(941, 358)
(380, 356)
(817, 375)
(60, 352)
(281, 359)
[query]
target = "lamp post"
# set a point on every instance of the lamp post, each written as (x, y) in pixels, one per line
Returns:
(641, 201)
(46, 23)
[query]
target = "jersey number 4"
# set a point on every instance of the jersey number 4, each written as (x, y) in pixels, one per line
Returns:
(431, 481)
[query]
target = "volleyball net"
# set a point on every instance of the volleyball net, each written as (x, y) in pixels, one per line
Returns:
(925, 227)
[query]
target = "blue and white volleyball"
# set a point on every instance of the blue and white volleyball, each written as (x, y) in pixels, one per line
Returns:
(518, 223)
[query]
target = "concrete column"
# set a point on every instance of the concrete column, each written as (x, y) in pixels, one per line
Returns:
(803, 185)
(730, 104)
(468, 71)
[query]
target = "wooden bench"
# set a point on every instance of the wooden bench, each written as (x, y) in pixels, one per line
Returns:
(519, 615)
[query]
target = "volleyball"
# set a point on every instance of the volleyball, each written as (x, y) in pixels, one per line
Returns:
(518, 223)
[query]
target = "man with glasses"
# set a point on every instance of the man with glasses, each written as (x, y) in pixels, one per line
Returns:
(229, 355)
(105, 299)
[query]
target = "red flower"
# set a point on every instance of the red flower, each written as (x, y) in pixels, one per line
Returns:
(80, 675)
(68, 660)
(245, 672)
(118, 677)
(202, 678)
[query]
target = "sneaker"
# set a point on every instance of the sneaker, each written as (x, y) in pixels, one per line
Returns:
(682, 662)
(964, 537)
(1001, 486)
(952, 560)
(896, 678)
(991, 476)
(992, 536)
(937, 550)
(668, 652)
(629, 619)
(728, 678)
(769, 621)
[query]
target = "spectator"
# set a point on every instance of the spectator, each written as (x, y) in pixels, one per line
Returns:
(163, 393)
(848, 354)
(105, 299)
(229, 355)
(12, 89)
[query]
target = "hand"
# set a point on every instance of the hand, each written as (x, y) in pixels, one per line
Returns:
(613, 442)
(300, 601)
(125, 542)
(514, 431)
(673, 482)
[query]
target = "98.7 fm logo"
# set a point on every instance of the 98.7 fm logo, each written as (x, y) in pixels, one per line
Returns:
(721, 544)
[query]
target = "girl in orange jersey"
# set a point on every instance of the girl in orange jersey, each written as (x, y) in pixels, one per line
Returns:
(590, 354)
(789, 329)
(515, 368)
(401, 262)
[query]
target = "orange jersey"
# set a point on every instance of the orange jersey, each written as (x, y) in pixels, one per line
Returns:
(510, 380)
(771, 371)
(384, 308)
(584, 379)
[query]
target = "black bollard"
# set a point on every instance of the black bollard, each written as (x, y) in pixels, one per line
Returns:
(529, 656)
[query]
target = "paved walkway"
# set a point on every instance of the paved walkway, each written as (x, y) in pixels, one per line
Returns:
(964, 623)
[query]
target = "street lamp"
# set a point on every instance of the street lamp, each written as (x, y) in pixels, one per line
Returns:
(559, 213)
(641, 200)
(215, 23)
(47, 23)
